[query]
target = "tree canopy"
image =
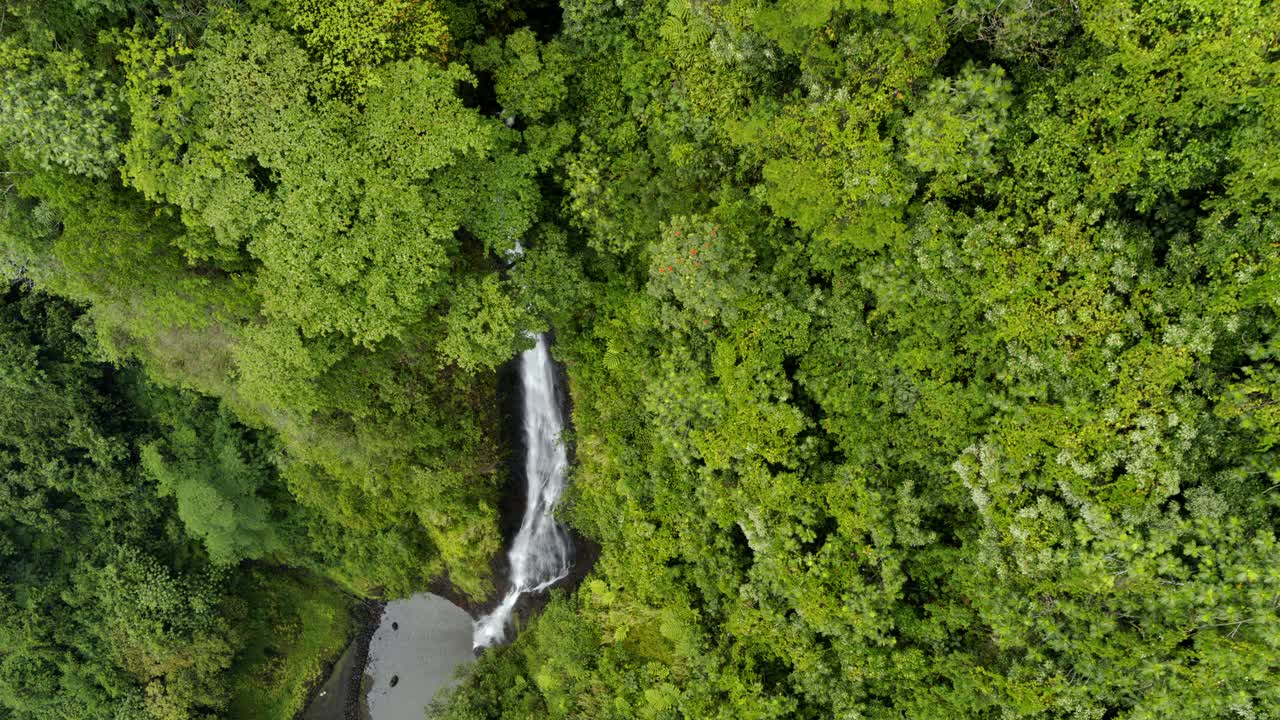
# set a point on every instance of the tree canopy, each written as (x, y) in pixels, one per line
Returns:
(922, 356)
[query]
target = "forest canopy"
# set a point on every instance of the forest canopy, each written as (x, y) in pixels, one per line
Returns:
(923, 356)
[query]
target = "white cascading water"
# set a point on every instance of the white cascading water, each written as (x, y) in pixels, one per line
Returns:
(540, 554)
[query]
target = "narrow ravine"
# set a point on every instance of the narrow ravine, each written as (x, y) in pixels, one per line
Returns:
(541, 553)
(412, 650)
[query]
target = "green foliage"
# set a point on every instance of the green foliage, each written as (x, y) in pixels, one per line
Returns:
(57, 110)
(112, 607)
(167, 634)
(341, 231)
(701, 274)
(95, 624)
(294, 626)
(923, 356)
(417, 123)
(957, 123)
(483, 322)
(529, 77)
(1018, 31)
(307, 280)
(351, 37)
(551, 279)
(964, 409)
(213, 473)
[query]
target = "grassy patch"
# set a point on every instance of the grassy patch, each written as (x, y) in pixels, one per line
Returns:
(295, 624)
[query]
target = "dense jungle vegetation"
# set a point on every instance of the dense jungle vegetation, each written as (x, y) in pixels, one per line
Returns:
(924, 354)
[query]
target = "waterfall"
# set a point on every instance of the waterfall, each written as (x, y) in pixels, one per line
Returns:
(540, 554)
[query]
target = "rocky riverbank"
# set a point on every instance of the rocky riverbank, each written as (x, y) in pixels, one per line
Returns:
(337, 696)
